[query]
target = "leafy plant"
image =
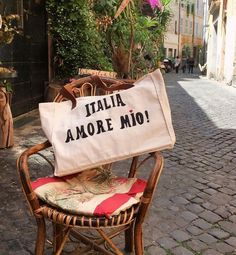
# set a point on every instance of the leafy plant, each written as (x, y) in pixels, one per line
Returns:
(135, 37)
(77, 42)
(186, 51)
(7, 85)
(86, 35)
(8, 28)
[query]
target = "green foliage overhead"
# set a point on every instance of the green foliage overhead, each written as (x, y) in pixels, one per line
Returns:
(77, 43)
(86, 35)
(186, 51)
(135, 37)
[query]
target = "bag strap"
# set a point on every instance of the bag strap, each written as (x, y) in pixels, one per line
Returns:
(67, 90)
(116, 86)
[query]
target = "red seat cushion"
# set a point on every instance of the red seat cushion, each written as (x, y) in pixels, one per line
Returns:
(90, 192)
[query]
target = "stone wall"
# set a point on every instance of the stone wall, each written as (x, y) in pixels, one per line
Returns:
(221, 58)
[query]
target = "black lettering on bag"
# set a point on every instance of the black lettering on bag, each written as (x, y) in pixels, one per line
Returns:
(100, 127)
(109, 124)
(119, 100)
(87, 107)
(91, 129)
(133, 119)
(80, 132)
(124, 120)
(139, 118)
(104, 104)
(107, 106)
(69, 136)
(100, 106)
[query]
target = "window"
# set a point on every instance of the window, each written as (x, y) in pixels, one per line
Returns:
(170, 53)
(196, 30)
(200, 30)
(186, 26)
(175, 52)
(181, 25)
(197, 11)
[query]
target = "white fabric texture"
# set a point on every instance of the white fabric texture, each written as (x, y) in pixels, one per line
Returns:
(104, 129)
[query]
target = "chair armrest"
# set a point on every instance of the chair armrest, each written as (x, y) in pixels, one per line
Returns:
(151, 186)
(23, 171)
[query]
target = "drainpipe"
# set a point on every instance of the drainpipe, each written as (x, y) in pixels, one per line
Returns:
(205, 28)
(179, 32)
(234, 61)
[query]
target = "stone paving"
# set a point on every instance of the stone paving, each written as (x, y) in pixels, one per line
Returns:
(194, 208)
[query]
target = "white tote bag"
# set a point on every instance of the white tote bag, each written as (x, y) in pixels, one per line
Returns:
(103, 129)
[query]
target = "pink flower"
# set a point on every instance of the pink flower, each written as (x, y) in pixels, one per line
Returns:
(155, 3)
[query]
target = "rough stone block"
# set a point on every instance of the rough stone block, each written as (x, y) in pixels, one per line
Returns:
(202, 224)
(167, 242)
(206, 238)
(210, 216)
(181, 251)
(218, 233)
(180, 236)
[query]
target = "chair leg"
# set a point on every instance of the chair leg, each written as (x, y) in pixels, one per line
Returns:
(108, 240)
(63, 242)
(41, 235)
(129, 238)
(60, 237)
(57, 236)
(138, 239)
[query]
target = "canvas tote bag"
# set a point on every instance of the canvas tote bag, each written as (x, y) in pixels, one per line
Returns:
(107, 128)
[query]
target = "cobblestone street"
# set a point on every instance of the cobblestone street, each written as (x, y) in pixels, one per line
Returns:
(194, 209)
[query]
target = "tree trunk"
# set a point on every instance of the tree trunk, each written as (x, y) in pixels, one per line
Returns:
(6, 122)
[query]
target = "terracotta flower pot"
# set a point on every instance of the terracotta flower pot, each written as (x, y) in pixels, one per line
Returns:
(6, 121)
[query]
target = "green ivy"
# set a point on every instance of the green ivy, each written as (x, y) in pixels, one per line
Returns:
(76, 40)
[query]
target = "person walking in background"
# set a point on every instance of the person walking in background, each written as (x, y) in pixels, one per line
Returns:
(177, 64)
(184, 64)
(187, 62)
(190, 65)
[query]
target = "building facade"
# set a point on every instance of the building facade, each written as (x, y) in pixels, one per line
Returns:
(221, 44)
(185, 32)
(27, 54)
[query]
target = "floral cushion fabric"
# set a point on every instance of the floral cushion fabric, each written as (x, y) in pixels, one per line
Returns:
(92, 192)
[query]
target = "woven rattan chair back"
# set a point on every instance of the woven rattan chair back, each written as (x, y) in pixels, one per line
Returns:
(66, 224)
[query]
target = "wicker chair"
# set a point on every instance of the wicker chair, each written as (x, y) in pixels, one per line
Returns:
(68, 224)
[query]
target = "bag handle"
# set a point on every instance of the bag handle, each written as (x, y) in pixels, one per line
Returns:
(116, 86)
(67, 90)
